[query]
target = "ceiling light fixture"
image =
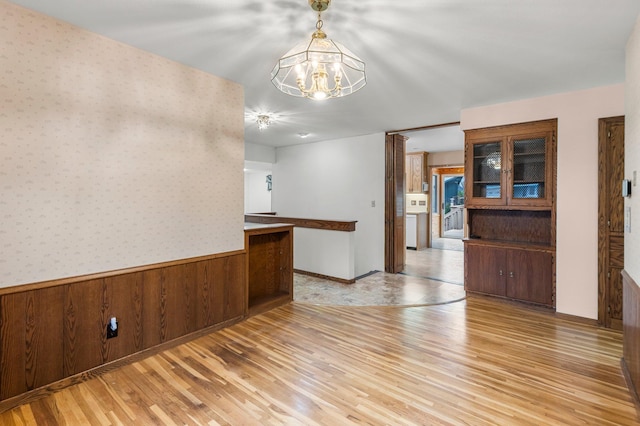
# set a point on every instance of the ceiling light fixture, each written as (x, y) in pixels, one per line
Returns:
(306, 69)
(263, 121)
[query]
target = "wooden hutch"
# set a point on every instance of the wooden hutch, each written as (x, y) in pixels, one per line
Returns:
(510, 175)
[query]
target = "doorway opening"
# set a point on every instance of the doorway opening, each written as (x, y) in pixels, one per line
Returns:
(444, 146)
(447, 222)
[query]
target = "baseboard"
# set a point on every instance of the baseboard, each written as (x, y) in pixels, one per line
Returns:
(325, 277)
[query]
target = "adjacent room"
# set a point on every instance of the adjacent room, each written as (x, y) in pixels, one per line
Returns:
(319, 212)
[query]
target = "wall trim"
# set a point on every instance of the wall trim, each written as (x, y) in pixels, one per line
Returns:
(325, 277)
(324, 224)
(70, 280)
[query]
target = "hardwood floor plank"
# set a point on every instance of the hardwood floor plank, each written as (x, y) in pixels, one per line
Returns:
(480, 361)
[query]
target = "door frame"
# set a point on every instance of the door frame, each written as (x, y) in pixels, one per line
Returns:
(603, 228)
(391, 247)
(442, 173)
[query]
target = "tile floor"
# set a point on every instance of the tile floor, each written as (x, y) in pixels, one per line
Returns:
(437, 264)
(432, 276)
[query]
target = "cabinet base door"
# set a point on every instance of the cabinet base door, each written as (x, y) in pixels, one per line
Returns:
(485, 270)
(530, 276)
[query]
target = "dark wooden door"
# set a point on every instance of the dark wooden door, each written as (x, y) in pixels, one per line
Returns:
(485, 269)
(394, 203)
(610, 221)
(530, 276)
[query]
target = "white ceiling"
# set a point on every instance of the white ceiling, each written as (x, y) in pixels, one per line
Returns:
(425, 59)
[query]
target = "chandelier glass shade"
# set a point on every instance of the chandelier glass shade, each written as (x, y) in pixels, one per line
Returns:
(319, 69)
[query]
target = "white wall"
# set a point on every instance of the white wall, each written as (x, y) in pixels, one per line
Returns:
(328, 253)
(257, 199)
(259, 153)
(577, 197)
(632, 152)
(110, 157)
(337, 180)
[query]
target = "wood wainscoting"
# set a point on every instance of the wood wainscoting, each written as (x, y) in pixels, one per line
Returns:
(631, 334)
(58, 329)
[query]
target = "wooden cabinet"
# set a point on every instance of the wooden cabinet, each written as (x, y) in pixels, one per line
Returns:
(269, 266)
(416, 172)
(517, 273)
(484, 269)
(510, 186)
(511, 166)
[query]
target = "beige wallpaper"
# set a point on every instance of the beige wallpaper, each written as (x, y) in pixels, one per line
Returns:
(110, 157)
(632, 152)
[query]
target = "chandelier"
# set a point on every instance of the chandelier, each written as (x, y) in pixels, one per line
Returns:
(320, 68)
(263, 121)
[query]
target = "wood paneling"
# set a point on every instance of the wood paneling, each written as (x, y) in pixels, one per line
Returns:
(13, 355)
(85, 327)
(153, 308)
(44, 337)
(176, 316)
(631, 333)
(209, 307)
(231, 283)
(123, 300)
(51, 332)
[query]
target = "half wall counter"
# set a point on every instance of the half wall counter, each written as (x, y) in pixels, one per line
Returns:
(322, 248)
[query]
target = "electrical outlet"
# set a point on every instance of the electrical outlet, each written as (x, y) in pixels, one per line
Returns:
(373, 203)
(112, 328)
(627, 219)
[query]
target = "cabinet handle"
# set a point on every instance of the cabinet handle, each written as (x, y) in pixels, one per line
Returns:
(511, 274)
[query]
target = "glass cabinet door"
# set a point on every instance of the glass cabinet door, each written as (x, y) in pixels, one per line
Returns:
(529, 177)
(511, 166)
(529, 168)
(487, 164)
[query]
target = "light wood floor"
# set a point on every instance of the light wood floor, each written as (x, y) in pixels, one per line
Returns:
(475, 362)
